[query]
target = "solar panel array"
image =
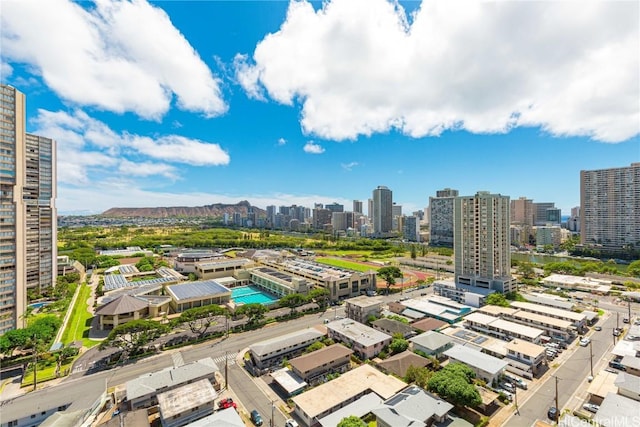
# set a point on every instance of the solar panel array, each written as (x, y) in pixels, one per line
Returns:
(128, 269)
(115, 281)
(275, 273)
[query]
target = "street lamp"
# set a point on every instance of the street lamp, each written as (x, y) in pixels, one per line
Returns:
(273, 407)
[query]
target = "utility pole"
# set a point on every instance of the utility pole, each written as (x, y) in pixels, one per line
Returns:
(617, 319)
(557, 407)
(226, 371)
(35, 363)
(591, 357)
(273, 406)
(629, 309)
(515, 396)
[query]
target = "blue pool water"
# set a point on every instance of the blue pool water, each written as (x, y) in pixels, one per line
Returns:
(250, 295)
(39, 304)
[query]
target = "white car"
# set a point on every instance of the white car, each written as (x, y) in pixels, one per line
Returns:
(585, 342)
(591, 407)
(291, 423)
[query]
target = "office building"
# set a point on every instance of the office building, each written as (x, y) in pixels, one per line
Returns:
(441, 217)
(382, 211)
(334, 207)
(540, 215)
(610, 207)
(481, 242)
(28, 224)
(357, 207)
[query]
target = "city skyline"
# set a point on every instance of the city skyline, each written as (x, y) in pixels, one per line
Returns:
(300, 103)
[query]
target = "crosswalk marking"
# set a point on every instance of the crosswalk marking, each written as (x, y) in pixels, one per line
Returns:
(231, 359)
(177, 359)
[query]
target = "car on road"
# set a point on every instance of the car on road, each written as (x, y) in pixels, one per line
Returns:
(584, 341)
(291, 423)
(617, 365)
(591, 407)
(256, 418)
(552, 413)
(617, 332)
(625, 320)
(227, 403)
(598, 328)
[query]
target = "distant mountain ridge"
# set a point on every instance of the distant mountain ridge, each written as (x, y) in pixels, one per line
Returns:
(216, 210)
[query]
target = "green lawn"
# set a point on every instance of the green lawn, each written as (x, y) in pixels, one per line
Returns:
(80, 321)
(346, 264)
(44, 374)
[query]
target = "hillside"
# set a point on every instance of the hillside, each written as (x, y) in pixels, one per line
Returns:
(216, 210)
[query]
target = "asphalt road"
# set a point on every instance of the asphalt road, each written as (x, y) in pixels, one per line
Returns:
(571, 374)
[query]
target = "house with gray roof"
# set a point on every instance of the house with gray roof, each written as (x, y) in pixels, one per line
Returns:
(398, 364)
(487, 368)
(432, 343)
(412, 407)
(392, 327)
(365, 341)
(142, 392)
(628, 385)
(122, 310)
(197, 294)
(617, 410)
(187, 403)
(315, 366)
(631, 364)
(268, 353)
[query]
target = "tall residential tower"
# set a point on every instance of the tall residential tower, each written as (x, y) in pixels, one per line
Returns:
(441, 217)
(610, 207)
(28, 223)
(481, 242)
(382, 217)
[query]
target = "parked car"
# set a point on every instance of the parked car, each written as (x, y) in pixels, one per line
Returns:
(521, 383)
(584, 341)
(256, 418)
(291, 423)
(227, 403)
(509, 387)
(625, 320)
(598, 328)
(591, 407)
(552, 413)
(617, 365)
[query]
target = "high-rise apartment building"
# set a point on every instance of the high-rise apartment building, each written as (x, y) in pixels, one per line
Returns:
(540, 213)
(481, 242)
(411, 228)
(522, 211)
(28, 221)
(334, 207)
(610, 207)
(441, 217)
(382, 211)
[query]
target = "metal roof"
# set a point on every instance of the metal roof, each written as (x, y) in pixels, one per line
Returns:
(191, 290)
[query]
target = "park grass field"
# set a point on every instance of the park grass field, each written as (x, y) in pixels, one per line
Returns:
(349, 265)
(80, 321)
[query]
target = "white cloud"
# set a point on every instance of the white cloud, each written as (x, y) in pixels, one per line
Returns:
(349, 166)
(102, 56)
(5, 70)
(313, 148)
(358, 67)
(85, 144)
(282, 141)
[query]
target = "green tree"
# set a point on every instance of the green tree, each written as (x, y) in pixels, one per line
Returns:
(525, 270)
(132, 336)
(292, 301)
(414, 252)
(390, 274)
(418, 376)
(398, 345)
(351, 421)
(497, 299)
(633, 269)
(200, 319)
(254, 311)
(320, 296)
(145, 264)
(454, 383)
(315, 346)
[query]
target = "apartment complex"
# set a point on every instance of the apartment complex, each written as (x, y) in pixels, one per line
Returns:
(481, 242)
(610, 207)
(441, 217)
(27, 210)
(382, 211)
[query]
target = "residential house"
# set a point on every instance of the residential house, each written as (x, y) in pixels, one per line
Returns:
(365, 341)
(487, 368)
(315, 366)
(432, 343)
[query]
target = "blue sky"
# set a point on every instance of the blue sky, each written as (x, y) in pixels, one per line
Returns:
(180, 103)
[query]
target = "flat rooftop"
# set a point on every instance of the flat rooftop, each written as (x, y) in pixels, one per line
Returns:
(550, 311)
(525, 347)
(477, 359)
(182, 399)
(289, 340)
(346, 387)
(504, 325)
(357, 332)
(199, 289)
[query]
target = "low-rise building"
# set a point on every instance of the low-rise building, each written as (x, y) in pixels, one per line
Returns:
(325, 399)
(502, 329)
(429, 324)
(628, 385)
(142, 392)
(186, 262)
(437, 307)
(393, 327)
(617, 410)
(631, 364)
(398, 364)
(365, 341)
(549, 300)
(278, 282)
(487, 368)
(525, 358)
(361, 307)
(432, 343)
(185, 404)
(411, 405)
(578, 283)
(315, 366)
(271, 352)
(289, 382)
(197, 294)
(472, 296)
(220, 267)
(578, 320)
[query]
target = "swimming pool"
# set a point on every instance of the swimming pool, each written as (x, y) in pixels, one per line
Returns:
(252, 294)
(40, 304)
